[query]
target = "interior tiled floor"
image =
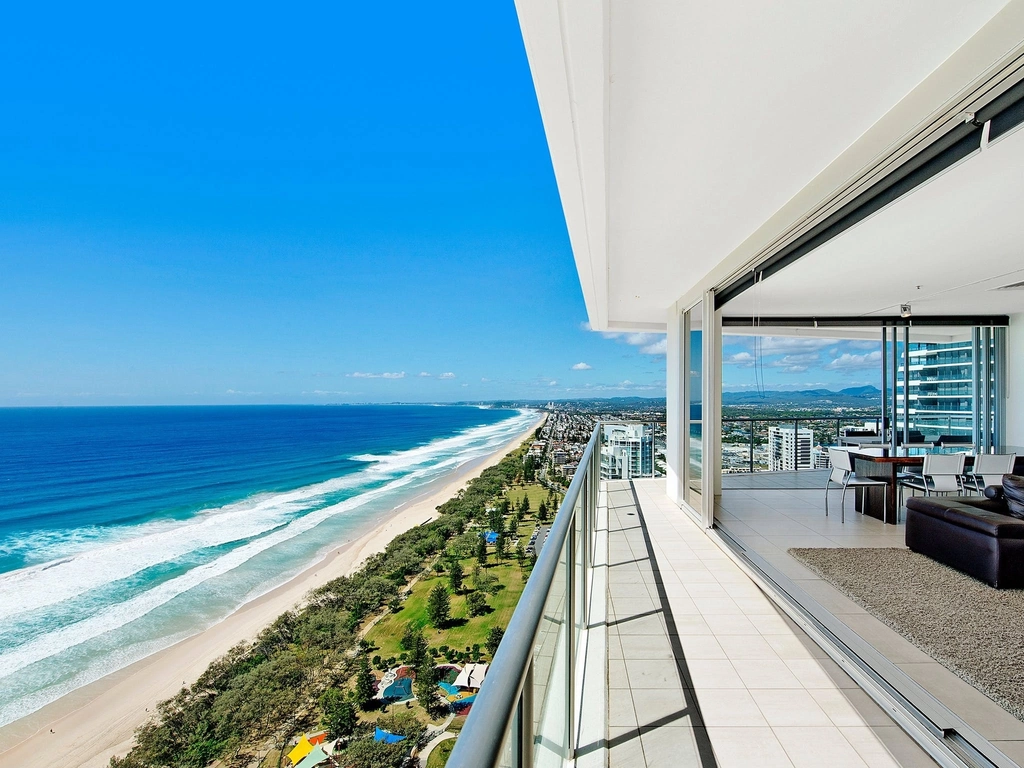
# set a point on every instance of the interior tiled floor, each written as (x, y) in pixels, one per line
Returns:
(703, 670)
(769, 521)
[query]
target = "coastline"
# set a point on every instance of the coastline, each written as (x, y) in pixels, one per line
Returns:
(88, 725)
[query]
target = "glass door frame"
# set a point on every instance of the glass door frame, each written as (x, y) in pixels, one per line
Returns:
(702, 506)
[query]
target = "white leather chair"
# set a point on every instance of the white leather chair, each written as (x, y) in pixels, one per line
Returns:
(843, 475)
(941, 473)
(989, 469)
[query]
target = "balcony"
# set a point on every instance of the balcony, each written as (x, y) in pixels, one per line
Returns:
(645, 640)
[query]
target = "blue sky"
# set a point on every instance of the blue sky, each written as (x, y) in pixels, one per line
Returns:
(350, 202)
(793, 363)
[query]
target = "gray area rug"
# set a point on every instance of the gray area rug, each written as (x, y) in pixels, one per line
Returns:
(975, 631)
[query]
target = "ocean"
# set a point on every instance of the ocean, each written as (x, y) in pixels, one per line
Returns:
(124, 530)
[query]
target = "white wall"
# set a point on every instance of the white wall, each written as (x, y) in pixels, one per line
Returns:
(1015, 381)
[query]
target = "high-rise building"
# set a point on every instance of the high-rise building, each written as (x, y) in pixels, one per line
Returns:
(942, 389)
(790, 449)
(628, 451)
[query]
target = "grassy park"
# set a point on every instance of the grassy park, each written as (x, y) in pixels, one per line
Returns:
(463, 630)
(534, 491)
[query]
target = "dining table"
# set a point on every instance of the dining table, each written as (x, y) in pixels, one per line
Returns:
(888, 467)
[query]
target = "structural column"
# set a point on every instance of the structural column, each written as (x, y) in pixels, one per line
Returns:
(675, 406)
(711, 400)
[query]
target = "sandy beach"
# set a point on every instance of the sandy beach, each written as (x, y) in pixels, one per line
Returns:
(92, 723)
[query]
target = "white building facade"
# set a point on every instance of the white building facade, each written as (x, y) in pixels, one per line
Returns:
(790, 449)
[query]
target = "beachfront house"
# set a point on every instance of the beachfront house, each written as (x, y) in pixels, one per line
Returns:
(800, 173)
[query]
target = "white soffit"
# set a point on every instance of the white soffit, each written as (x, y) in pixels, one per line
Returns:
(677, 128)
(946, 249)
(935, 334)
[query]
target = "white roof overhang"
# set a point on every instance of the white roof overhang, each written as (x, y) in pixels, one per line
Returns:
(688, 138)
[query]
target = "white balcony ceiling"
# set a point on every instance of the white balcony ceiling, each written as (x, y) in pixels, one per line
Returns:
(677, 129)
(946, 248)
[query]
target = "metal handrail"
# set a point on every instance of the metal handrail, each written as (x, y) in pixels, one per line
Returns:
(795, 421)
(790, 419)
(480, 742)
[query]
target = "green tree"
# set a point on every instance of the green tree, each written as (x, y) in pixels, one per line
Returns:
(419, 653)
(494, 639)
(501, 545)
(364, 683)
(367, 753)
(495, 520)
(439, 606)
(408, 638)
(477, 603)
(339, 714)
(484, 581)
(426, 685)
(481, 550)
(455, 575)
(529, 469)
(542, 512)
(404, 724)
(524, 505)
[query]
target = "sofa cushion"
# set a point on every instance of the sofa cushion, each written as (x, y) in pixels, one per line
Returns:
(982, 515)
(1013, 495)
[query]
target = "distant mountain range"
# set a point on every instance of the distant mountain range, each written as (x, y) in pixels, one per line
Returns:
(850, 397)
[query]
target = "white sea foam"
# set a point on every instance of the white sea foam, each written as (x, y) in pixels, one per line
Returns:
(269, 520)
(30, 589)
(120, 614)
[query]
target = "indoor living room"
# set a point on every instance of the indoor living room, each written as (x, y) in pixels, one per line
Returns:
(906, 547)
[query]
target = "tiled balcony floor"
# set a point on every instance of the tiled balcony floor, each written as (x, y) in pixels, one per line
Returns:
(702, 668)
(769, 522)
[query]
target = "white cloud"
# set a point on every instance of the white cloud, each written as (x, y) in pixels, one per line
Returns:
(552, 383)
(581, 367)
(484, 379)
(784, 345)
(780, 345)
(238, 392)
(328, 392)
(848, 362)
(649, 343)
(796, 363)
(361, 375)
(424, 374)
(740, 358)
(447, 375)
(657, 348)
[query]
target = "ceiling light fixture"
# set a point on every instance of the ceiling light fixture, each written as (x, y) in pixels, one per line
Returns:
(904, 310)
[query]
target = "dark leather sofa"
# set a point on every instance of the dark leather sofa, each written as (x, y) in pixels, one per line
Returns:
(981, 536)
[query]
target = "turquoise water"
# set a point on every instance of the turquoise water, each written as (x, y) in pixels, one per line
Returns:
(124, 530)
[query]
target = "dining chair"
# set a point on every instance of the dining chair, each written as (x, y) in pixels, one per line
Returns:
(989, 469)
(842, 474)
(941, 473)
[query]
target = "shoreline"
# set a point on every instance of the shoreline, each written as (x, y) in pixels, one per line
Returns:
(89, 725)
